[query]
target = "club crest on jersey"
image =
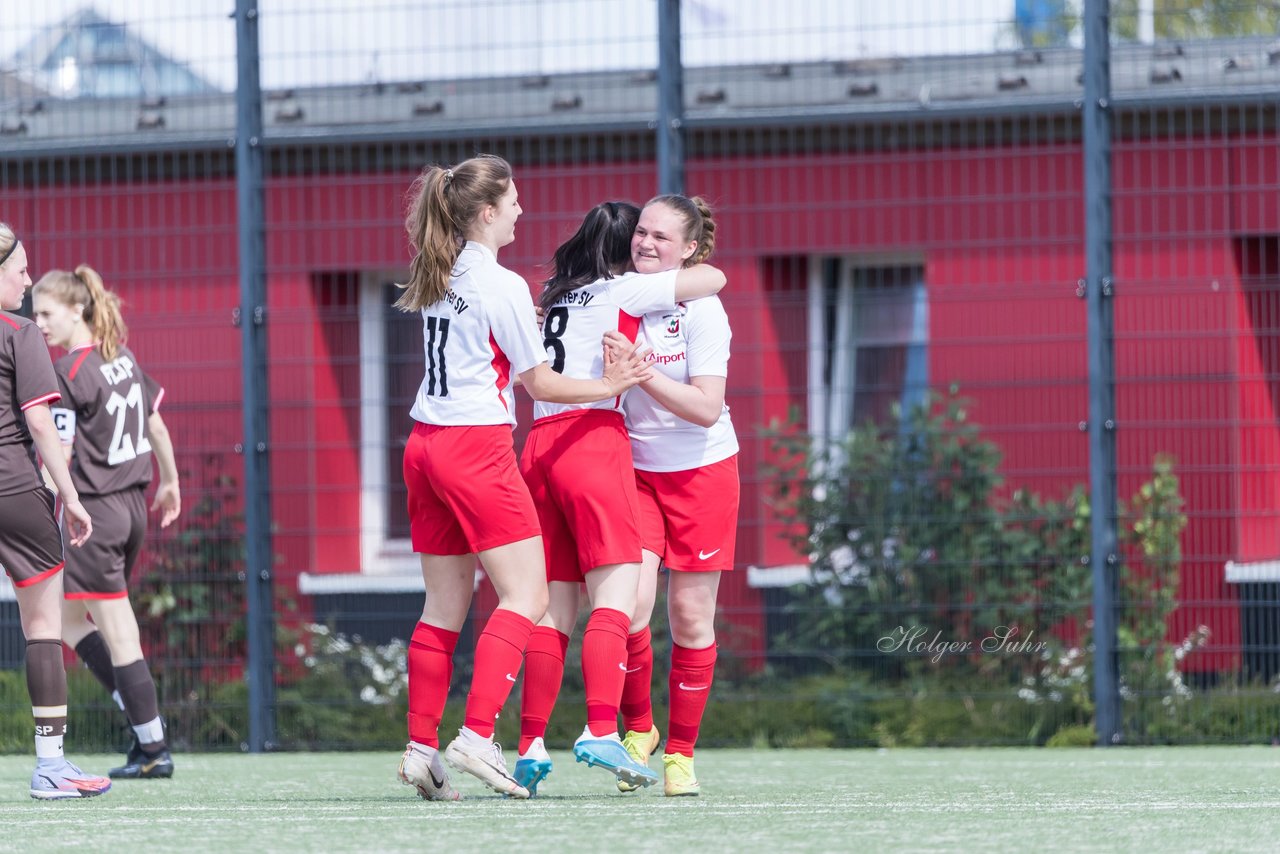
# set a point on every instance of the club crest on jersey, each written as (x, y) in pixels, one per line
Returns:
(673, 325)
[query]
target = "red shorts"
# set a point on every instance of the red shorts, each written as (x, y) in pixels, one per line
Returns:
(465, 491)
(690, 518)
(578, 467)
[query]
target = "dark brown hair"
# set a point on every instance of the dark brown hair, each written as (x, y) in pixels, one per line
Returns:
(599, 249)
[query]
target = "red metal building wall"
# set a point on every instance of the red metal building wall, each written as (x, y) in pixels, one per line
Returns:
(999, 233)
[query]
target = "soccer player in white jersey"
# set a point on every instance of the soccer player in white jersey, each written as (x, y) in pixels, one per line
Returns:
(686, 460)
(30, 542)
(111, 431)
(466, 497)
(577, 462)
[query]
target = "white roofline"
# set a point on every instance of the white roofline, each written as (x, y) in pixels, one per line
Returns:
(1253, 572)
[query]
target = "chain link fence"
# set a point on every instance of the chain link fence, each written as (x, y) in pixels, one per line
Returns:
(900, 198)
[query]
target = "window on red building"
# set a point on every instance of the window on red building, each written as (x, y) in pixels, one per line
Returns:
(868, 334)
(390, 372)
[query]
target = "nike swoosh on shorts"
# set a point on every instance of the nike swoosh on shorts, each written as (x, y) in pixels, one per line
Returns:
(704, 555)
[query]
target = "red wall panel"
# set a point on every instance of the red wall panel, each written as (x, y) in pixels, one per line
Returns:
(998, 229)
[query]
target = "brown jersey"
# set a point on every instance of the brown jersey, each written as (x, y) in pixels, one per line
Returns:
(26, 380)
(104, 411)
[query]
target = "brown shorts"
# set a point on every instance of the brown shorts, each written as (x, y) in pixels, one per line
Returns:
(30, 542)
(100, 569)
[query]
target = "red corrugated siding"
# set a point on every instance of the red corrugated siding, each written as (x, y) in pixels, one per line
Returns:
(985, 222)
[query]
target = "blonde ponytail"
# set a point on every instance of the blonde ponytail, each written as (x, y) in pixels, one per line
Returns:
(100, 308)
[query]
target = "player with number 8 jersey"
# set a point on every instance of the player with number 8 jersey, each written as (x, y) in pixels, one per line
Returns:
(577, 462)
(467, 500)
(110, 426)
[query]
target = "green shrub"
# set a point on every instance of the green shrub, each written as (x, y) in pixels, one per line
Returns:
(1073, 735)
(910, 538)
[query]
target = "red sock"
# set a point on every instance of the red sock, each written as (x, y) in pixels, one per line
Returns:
(604, 664)
(430, 668)
(692, 671)
(636, 706)
(543, 673)
(499, 652)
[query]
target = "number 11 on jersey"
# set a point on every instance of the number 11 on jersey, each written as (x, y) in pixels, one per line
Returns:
(437, 328)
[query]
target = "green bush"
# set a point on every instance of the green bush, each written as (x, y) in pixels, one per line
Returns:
(911, 538)
(1073, 735)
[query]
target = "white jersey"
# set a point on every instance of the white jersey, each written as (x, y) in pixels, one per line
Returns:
(691, 340)
(475, 338)
(574, 327)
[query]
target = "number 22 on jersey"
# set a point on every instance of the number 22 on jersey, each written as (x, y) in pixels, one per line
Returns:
(124, 447)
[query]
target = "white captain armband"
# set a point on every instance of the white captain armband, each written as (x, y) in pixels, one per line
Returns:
(65, 421)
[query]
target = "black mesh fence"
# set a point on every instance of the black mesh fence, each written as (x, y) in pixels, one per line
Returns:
(899, 191)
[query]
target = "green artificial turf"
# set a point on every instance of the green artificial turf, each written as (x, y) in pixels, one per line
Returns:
(1124, 799)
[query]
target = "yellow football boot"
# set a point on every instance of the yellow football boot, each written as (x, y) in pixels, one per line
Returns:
(680, 780)
(640, 745)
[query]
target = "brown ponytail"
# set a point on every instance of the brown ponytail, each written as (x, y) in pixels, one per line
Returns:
(707, 236)
(443, 203)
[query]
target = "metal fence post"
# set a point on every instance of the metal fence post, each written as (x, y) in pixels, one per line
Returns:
(1101, 328)
(251, 230)
(670, 99)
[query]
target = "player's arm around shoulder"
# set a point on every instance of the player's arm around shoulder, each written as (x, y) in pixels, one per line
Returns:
(698, 281)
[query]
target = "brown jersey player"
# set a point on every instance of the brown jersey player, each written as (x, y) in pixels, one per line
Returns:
(109, 422)
(30, 543)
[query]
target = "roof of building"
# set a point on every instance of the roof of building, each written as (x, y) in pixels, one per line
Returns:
(87, 56)
(877, 90)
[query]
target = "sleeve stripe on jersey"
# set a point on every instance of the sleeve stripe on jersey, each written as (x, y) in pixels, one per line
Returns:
(501, 366)
(80, 361)
(9, 320)
(628, 325)
(44, 398)
(155, 404)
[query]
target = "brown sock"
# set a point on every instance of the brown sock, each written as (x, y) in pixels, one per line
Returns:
(95, 655)
(47, 685)
(138, 691)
